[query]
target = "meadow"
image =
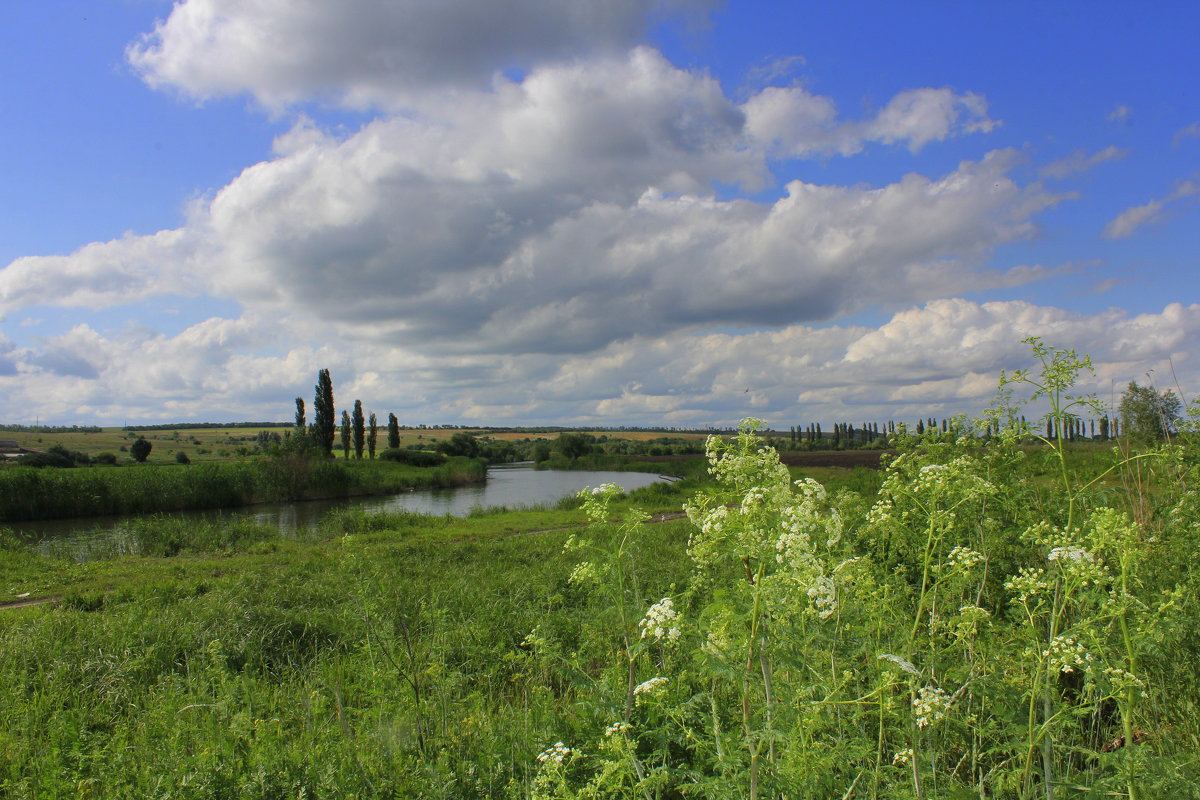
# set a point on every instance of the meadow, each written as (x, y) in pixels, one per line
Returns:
(984, 618)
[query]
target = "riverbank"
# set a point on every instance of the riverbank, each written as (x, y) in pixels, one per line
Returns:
(28, 493)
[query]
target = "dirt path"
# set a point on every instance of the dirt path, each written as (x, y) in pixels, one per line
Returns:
(28, 601)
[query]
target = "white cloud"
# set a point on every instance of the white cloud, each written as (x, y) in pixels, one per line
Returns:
(1121, 114)
(1080, 161)
(560, 213)
(790, 121)
(107, 273)
(1128, 221)
(937, 359)
(1190, 132)
(363, 52)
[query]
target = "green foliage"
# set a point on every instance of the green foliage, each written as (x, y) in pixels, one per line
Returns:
(393, 432)
(372, 434)
(182, 458)
(416, 458)
(31, 494)
(572, 445)
(359, 423)
(1148, 414)
(345, 434)
(324, 421)
(461, 444)
(140, 450)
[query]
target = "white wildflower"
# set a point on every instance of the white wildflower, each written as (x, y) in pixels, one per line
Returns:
(650, 687)
(657, 623)
(902, 757)
(1027, 583)
(931, 704)
(556, 752)
(1075, 555)
(823, 593)
(1065, 653)
(1122, 679)
(617, 727)
(963, 558)
(902, 663)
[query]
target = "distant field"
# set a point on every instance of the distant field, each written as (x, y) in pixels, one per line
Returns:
(222, 444)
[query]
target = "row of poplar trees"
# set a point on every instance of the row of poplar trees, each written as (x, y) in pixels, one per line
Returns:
(362, 432)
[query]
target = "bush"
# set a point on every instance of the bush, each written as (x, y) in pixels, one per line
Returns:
(182, 458)
(47, 459)
(414, 458)
(140, 450)
(108, 459)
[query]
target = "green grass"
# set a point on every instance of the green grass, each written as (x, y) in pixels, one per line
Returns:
(405, 655)
(27, 493)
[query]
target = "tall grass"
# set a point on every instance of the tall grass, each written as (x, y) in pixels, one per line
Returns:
(27, 493)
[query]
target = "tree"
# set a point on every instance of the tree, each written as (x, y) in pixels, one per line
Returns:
(393, 432)
(359, 429)
(301, 421)
(372, 434)
(1148, 414)
(572, 445)
(324, 421)
(461, 444)
(140, 450)
(345, 433)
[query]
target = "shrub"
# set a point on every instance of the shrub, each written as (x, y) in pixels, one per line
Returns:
(414, 458)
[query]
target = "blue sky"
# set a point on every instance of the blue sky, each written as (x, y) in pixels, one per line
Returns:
(609, 213)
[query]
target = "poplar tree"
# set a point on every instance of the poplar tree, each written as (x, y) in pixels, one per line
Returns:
(301, 422)
(345, 433)
(393, 432)
(324, 420)
(359, 429)
(372, 433)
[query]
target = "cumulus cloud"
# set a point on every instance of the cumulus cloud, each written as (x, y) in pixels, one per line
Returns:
(940, 358)
(110, 273)
(790, 121)
(363, 52)
(564, 211)
(1128, 221)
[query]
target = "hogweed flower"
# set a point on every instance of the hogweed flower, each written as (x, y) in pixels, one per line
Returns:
(902, 663)
(931, 704)
(963, 558)
(556, 753)
(823, 593)
(1027, 583)
(657, 623)
(649, 688)
(617, 727)
(1065, 653)
(1075, 555)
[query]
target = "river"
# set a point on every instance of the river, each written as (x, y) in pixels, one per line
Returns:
(509, 485)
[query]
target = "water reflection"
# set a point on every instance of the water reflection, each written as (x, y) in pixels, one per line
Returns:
(510, 486)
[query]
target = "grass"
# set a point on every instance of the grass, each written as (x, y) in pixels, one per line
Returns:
(27, 493)
(405, 655)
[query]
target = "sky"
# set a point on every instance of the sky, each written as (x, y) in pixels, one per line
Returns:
(602, 212)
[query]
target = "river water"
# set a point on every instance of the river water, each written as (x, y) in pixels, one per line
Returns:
(510, 486)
